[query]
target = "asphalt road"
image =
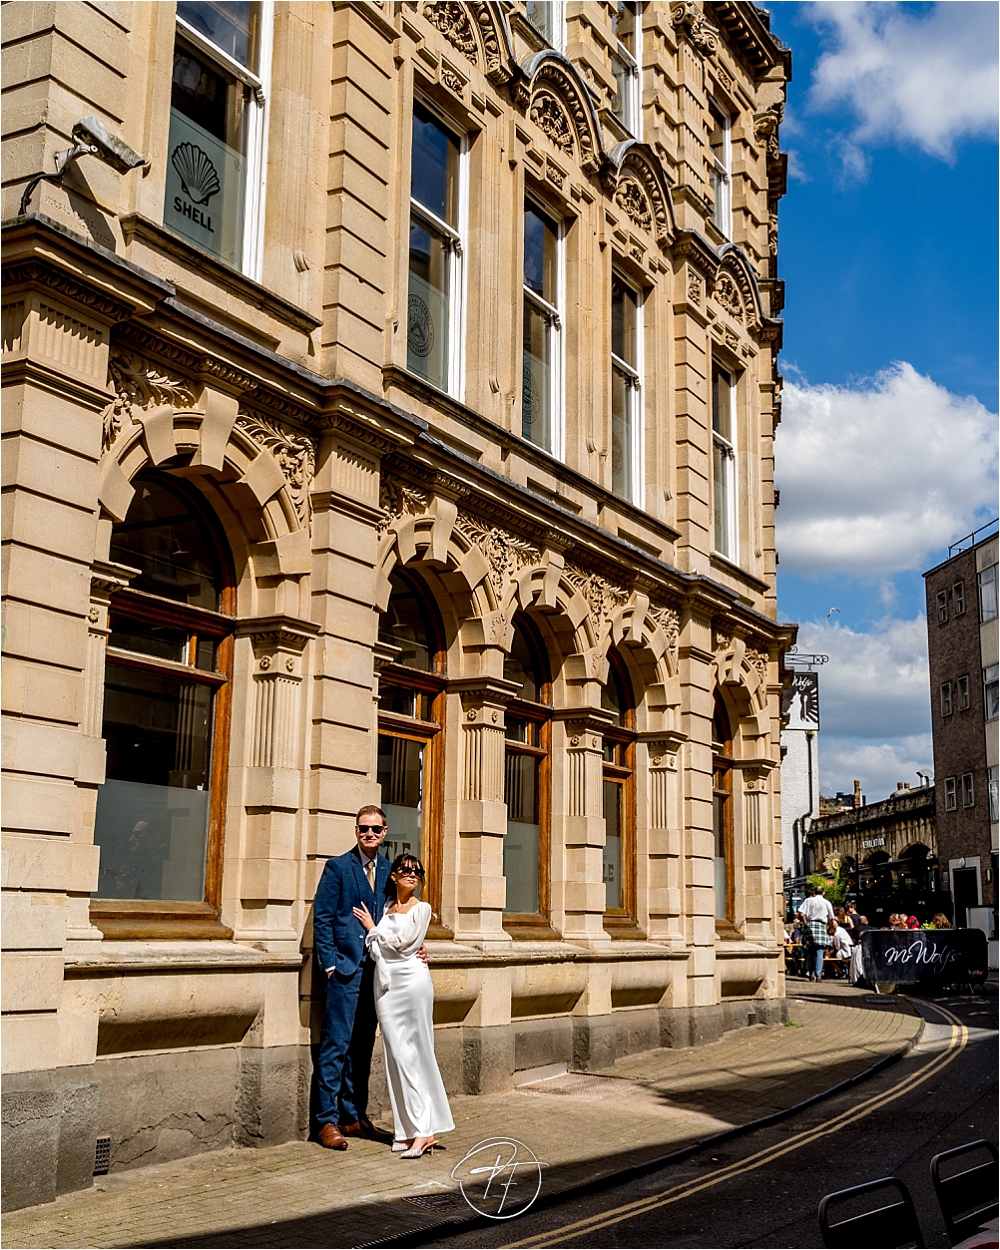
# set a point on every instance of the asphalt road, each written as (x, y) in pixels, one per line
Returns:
(763, 1189)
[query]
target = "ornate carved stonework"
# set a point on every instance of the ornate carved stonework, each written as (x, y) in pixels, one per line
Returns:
(630, 197)
(602, 596)
(398, 498)
(451, 80)
(668, 619)
(505, 553)
(688, 16)
(694, 288)
(294, 452)
(765, 129)
(497, 69)
(453, 22)
(721, 640)
(549, 116)
(727, 293)
(758, 662)
(137, 383)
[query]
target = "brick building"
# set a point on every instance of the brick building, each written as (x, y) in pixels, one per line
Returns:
(391, 418)
(962, 647)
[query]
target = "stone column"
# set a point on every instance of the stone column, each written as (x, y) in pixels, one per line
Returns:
(273, 796)
(665, 896)
(578, 833)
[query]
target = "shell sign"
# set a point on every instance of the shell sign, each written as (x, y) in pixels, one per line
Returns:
(206, 190)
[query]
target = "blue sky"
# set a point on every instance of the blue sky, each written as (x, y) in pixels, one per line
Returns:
(887, 449)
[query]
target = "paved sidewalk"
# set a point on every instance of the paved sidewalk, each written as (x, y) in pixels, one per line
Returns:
(583, 1125)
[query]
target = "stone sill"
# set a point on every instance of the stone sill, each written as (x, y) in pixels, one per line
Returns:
(167, 956)
(457, 954)
(738, 948)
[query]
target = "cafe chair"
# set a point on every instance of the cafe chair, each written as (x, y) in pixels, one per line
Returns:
(883, 1227)
(969, 1198)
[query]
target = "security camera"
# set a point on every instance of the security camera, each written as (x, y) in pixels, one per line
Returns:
(90, 138)
(91, 133)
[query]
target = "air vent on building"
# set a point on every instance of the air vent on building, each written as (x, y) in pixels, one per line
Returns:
(102, 1156)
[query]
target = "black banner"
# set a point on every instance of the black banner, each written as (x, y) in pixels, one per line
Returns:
(904, 957)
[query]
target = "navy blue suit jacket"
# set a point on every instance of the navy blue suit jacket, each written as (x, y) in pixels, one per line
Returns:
(337, 933)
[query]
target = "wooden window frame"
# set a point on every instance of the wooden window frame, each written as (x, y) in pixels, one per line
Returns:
(431, 733)
(623, 921)
(723, 771)
(167, 918)
(535, 925)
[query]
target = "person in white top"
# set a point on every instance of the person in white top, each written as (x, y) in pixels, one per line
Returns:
(404, 1002)
(818, 907)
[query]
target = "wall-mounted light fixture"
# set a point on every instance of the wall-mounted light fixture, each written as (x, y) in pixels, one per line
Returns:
(90, 138)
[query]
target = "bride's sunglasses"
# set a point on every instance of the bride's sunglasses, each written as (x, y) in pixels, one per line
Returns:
(409, 872)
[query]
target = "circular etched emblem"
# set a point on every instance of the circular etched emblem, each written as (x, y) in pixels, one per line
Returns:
(419, 327)
(531, 397)
(499, 1177)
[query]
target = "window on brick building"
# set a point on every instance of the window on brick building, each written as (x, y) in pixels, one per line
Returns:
(542, 354)
(962, 693)
(988, 594)
(958, 598)
(968, 791)
(437, 224)
(950, 794)
(991, 692)
(946, 704)
(215, 155)
(942, 607)
(626, 391)
(993, 783)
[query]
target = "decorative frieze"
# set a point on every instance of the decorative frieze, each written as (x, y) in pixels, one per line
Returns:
(138, 384)
(630, 197)
(397, 498)
(294, 452)
(453, 22)
(669, 620)
(603, 596)
(506, 553)
(550, 117)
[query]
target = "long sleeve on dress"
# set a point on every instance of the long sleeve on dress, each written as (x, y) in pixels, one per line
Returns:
(399, 936)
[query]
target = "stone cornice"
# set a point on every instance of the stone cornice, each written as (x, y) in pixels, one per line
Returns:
(747, 35)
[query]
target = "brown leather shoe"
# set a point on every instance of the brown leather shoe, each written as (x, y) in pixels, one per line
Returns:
(366, 1130)
(331, 1137)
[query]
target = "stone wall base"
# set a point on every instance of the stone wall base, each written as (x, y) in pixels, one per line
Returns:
(167, 1106)
(155, 1108)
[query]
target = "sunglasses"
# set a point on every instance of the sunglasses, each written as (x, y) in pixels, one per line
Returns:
(409, 872)
(370, 828)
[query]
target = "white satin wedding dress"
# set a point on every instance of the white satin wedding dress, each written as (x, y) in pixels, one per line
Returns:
(404, 1002)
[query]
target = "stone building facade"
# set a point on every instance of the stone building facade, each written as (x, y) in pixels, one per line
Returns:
(963, 655)
(889, 849)
(397, 426)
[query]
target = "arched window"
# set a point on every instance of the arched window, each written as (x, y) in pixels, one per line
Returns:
(159, 822)
(410, 719)
(619, 794)
(526, 778)
(722, 815)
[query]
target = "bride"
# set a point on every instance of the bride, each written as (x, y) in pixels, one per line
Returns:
(404, 1002)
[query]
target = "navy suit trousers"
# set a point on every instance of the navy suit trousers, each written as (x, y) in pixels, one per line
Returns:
(346, 1043)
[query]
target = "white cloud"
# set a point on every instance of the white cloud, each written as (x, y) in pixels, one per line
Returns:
(874, 478)
(875, 685)
(877, 766)
(927, 78)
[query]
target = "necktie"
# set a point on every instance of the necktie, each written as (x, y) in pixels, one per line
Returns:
(370, 873)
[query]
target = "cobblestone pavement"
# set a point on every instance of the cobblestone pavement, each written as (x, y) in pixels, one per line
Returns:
(582, 1125)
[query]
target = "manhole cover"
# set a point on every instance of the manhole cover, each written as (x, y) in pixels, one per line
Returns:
(584, 1085)
(440, 1204)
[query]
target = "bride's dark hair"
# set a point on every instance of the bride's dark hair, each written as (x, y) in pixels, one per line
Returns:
(406, 860)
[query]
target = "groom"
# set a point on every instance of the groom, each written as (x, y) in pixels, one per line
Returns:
(348, 1032)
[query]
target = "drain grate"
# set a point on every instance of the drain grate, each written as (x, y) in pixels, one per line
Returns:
(440, 1204)
(102, 1156)
(584, 1085)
